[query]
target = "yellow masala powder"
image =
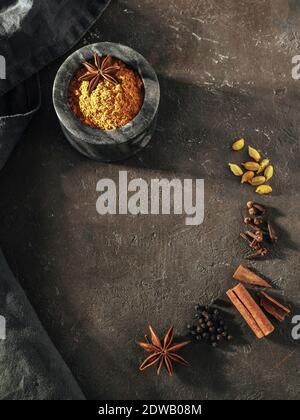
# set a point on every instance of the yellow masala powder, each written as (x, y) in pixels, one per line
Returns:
(109, 105)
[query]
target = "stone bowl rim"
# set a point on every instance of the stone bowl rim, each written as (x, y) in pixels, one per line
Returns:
(125, 133)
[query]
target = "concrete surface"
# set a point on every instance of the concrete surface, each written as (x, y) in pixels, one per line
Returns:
(96, 282)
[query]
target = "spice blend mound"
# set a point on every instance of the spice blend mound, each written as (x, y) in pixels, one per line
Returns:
(106, 95)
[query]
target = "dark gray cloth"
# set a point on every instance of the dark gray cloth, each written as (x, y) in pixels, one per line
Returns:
(35, 32)
(30, 366)
(16, 110)
(32, 34)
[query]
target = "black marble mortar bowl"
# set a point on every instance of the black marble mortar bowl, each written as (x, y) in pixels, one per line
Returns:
(107, 145)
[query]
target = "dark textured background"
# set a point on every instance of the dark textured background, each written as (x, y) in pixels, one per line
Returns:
(96, 282)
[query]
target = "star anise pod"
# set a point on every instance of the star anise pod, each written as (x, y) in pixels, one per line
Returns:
(103, 69)
(163, 352)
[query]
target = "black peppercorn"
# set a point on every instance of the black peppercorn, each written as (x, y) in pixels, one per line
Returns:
(209, 326)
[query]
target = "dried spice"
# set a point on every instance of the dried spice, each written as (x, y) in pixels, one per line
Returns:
(264, 163)
(251, 242)
(254, 154)
(258, 180)
(269, 172)
(106, 96)
(238, 145)
(250, 311)
(163, 352)
(244, 275)
(251, 166)
(264, 189)
(235, 169)
(258, 220)
(258, 208)
(257, 236)
(272, 233)
(248, 176)
(103, 69)
(260, 232)
(259, 253)
(273, 307)
(210, 326)
(257, 166)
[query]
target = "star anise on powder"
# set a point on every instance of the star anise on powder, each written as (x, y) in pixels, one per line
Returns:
(163, 352)
(103, 69)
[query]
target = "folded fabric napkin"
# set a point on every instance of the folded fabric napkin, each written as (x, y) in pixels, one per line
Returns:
(32, 34)
(30, 366)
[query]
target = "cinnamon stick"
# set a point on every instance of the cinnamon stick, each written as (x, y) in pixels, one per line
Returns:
(245, 313)
(244, 275)
(273, 307)
(250, 311)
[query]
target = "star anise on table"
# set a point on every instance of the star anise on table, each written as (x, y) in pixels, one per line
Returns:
(163, 351)
(102, 69)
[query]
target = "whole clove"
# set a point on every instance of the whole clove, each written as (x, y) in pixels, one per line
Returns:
(262, 209)
(272, 233)
(251, 242)
(256, 208)
(252, 211)
(248, 222)
(261, 252)
(260, 230)
(258, 220)
(257, 236)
